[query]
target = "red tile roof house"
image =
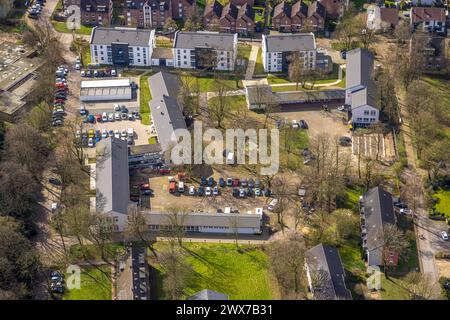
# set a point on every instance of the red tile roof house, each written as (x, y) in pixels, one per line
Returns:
(96, 12)
(431, 19)
(290, 18)
(334, 8)
(212, 14)
(316, 16)
(245, 22)
(228, 18)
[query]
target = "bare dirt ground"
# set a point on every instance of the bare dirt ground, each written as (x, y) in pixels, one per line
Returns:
(444, 267)
(368, 145)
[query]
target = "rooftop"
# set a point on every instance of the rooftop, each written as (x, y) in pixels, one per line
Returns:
(204, 39)
(207, 294)
(124, 82)
(290, 42)
(325, 265)
(131, 36)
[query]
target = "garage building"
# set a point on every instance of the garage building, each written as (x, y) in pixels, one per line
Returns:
(106, 90)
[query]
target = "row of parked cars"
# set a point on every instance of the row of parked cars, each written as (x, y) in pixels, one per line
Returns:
(57, 282)
(36, 9)
(295, 124)
(90, 137)
(121, 113)
(60, 95)
(101, 73)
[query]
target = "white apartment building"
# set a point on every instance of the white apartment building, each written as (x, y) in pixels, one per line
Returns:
(191, 48)
(276, 50)
(122, 46)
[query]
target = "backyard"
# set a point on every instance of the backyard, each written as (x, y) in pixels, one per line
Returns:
(208, 83)
(221, 267)
(443, 201)
(145, 97)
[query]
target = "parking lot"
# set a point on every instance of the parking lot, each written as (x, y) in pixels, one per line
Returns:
(318, 121)
(162, 198)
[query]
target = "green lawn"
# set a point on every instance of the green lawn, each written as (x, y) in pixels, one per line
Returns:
(393, 288)
(292, 142)
(443, 204)
(164, 43)
(86, 55)
(259, 68)
(259, 14)
(95, 285)
(207, 84)
(62, 27)
(222, 268)
(244, 51)
(145, 97)
(91, 252)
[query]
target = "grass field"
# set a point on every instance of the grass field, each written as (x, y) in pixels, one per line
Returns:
(443, 204)
(145, 97)
(244, 51)
(95, 285)
(62, 27)
(207, 84)
(164, 43)
(222, 268)
(393, 288)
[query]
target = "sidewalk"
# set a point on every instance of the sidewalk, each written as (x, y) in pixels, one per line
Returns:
(251, 62)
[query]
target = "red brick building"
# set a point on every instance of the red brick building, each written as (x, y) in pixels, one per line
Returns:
(96, 12)
(292, 17)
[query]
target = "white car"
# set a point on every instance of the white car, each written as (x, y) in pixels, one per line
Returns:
(294, 124)
(208, 191)
(123, 134)
(192, 191)
(216, 191)
(78, 60)
(113, 73)
(104, 117)
(272, 204)
(116, 134)
(91, 143)
(117, 116)
(104, 133)
(444, 235)
(405, 211)
(77, 66)
(341, 108)
(55, 206)
(111, 117)
(116, 107)
(78, 134)
(83, 73)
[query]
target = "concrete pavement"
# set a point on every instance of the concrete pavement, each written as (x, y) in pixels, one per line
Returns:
(252, 62)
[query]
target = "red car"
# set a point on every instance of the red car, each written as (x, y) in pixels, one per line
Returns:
(145, 186)
(235, 182)
(59, 101)
(61, 85)
(164, 171)
(98, 117)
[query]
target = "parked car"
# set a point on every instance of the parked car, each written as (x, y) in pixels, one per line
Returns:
(123, 116)
(303, 124)
(244, 182)
(130, 117)
(229, 182)
(405, 211)
(192, 191)
(444, 235)
(345, 141)
(123, 133)
(242, 193)
(341, 108)
(257, 183)
(208, 191)
(104, 117)
(181, 187)
(203, 181)
(272, 204)
(294, 124)
(258, 192)
(216, 191)
(77, 66)
(83, 73)
(91, 143)
(221, 182)
(251, 183)
(235, 182)
(83, 110)
(54, 181)
(211, 181)
(201, 191)
(249, 192)
(111, 133)
(111, 116)
(116, 134)
(117, 116)
(116, 107)
(104, 133)
(235, 192)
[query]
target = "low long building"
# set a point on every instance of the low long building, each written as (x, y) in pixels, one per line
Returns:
(205, 50)
(276, 50)
(106, 90)
(260, 96)
(360, 90)
(167, 115)
(207, 222)
(112, 181)
(325, 274)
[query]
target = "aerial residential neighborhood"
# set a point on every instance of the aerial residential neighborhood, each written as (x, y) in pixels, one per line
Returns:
(224, 150)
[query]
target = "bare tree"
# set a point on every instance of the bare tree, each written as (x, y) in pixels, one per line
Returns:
(297, 70)
(391, 241)
(287, 259)
(218, 108)
(421, 286)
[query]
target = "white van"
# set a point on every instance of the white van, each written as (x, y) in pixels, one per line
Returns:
(181, 187)
(272, 204)
(130, 132)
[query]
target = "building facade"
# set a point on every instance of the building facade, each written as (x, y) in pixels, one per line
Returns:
(381, 18)
(205, 50)
(276, 50)
(288, 17)
(122, 46)
(360, 92)
(428, 19)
